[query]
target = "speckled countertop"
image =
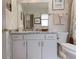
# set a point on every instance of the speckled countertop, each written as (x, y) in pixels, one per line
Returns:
(32, 32)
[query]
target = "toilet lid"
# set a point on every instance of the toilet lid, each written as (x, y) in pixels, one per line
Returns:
(69, 46)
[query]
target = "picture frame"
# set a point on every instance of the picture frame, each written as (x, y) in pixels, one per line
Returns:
(37, 20)
(58, 4)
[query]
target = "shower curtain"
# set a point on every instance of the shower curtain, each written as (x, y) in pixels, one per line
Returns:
(73, 22)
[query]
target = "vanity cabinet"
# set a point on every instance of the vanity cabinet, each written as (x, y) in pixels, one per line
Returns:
(35, 46)
(19, 49)
(34, 49)
(49, 49)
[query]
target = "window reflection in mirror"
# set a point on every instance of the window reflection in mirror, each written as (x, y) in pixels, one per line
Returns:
(44, 19)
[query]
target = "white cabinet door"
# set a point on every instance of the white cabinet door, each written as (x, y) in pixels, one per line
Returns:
(49, 50)
(19, 49)
(34, 49)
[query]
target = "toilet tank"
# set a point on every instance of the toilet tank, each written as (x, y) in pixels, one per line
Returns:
(62, 36)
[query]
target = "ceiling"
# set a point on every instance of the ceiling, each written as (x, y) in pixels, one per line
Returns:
(32, 1)
(33, 6)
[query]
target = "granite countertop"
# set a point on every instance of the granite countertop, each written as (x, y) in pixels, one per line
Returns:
(32, 32)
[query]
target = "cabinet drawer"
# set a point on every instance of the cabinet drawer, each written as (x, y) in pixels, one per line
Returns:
(16, 37)
(34, 36)
(51, 36)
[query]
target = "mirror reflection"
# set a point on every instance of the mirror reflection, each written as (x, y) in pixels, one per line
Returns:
(35, 16)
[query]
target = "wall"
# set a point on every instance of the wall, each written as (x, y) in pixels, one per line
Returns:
(65, 12)
(3, 27)
(20, 21)
(11, 16)
(3, 14)
(9, 22)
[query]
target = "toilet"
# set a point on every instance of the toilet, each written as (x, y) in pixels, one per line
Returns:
(66, 50)
(69, 50)
(62, 38)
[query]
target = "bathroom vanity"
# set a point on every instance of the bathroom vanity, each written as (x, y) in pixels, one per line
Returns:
(34, 45)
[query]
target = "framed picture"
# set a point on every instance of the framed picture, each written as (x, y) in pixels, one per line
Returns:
(37, 20)
(9, 5)
(58, 4)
